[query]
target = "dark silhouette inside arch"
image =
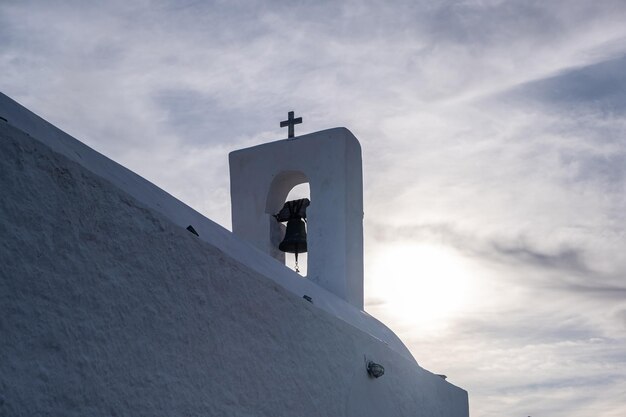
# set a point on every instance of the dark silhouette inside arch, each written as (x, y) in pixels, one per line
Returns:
(286, 186)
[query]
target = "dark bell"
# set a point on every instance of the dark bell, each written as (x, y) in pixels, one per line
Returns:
(295, 237)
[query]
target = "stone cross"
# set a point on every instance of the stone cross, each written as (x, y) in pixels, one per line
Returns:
(291, 122)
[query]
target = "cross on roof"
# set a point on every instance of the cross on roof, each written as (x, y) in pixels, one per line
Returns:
(291, 122)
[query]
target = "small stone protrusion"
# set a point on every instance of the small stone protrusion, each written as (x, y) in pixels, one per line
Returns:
(375, 370)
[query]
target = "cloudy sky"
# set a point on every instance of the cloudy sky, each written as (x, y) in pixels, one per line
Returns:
(494, 147)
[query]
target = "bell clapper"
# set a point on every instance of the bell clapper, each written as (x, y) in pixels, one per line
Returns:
(297, 268)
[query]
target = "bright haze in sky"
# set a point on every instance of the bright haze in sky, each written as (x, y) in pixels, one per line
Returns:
(494, 148)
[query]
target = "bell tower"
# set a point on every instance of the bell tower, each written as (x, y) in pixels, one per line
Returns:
(330, 161)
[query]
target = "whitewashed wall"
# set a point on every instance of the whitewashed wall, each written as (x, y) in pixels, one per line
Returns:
(107, 307)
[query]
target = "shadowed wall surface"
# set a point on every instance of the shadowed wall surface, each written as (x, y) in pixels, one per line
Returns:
(108, 308)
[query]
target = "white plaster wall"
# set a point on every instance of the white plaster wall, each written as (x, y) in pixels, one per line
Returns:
(182, 215)
(107, 308)
(330, 160)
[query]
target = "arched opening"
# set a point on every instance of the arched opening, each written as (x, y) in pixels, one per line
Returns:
(286, 186)
(299, 191)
